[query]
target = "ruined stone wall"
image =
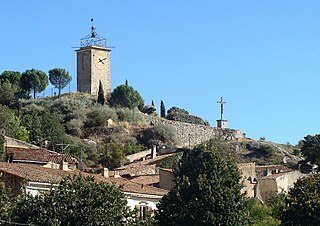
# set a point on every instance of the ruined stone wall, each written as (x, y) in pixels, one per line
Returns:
(192, 134)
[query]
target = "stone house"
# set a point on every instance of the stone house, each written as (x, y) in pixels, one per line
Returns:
(278, 182)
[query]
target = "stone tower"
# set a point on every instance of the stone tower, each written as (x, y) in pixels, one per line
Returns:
(93, 64)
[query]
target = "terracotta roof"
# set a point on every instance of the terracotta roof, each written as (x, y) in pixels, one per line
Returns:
(36, 173)
(147, 167)
(147, 179)
(38, 155)
(166, 170)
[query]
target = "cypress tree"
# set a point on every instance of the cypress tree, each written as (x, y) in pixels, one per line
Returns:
(126, 82)
(101, 98)
(152, 103)
(162, 110)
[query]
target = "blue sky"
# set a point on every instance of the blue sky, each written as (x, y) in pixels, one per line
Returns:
(262, 57)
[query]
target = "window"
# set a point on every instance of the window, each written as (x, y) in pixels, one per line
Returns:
(143, 213)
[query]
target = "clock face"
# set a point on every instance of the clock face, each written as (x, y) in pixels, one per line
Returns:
(99, 62)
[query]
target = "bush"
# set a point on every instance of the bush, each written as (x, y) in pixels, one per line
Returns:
(130, 115)
(99, 115)
(159, 134)
(181, 115)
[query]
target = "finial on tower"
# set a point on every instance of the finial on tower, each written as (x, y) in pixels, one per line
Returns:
(93, 39)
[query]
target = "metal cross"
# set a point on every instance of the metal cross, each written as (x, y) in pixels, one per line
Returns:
(221, 102)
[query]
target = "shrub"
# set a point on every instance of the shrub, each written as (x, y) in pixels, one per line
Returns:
(181, 115)
(99, 115)
(160, 134)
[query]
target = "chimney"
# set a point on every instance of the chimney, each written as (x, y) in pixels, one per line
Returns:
(116, 174)
(154, 151)
(105, 172)
(64, 166)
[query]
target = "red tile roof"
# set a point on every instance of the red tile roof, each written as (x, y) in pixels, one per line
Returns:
(147, 167)
(36, 173)
(147, 179)
(38, 155)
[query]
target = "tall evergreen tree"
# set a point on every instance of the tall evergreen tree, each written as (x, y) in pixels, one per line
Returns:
(152, 103)
(126, 82)
(207, 192)
(162, 110)
(101, 98)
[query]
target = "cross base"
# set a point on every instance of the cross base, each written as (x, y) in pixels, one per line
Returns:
(222, 123)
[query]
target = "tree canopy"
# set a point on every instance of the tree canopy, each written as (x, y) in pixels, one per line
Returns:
(303, 202)
(35, 80)
(181, 115)
(12, 77)
(76, 201)
(126, 96)
(311, 149)
(207, 192)
(59, 78)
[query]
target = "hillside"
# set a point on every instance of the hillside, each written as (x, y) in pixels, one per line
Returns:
(104, 135)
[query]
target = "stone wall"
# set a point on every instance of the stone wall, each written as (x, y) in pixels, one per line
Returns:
(192, 134)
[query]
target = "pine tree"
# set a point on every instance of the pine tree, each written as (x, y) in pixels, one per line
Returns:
(162, 110)
(152, 103)
(101, 98)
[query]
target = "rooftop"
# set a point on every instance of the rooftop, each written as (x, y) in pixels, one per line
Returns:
(38, 155)
(36, 173)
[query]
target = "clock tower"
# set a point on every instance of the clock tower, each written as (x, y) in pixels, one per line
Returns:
(93, 64)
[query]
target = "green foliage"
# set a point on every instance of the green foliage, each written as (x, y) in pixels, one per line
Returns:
(42, 126)
(76, 201)
(267, 150)
(126, 96)
(159, 134)
(2, 143)
(35, 80)
(59, 78)
(13, 77)
(5, 202)
(261, 214)
(149, 109)
(170, 161)
(181, 115)
(207, 192)
(130, 115)
(162, 110)
(112, 155)
(101, 98)
(7, 93)
(11, 124)
(277, 204)
(303, 202)
(311, 149)
(98, 116)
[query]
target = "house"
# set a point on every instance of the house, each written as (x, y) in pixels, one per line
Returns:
(38, 156)
(278, 182)
(17, 151)
(34, 179)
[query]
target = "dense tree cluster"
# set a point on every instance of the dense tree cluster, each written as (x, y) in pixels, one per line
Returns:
(181, 115)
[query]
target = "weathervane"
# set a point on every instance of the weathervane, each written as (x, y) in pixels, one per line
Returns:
(93, 39)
